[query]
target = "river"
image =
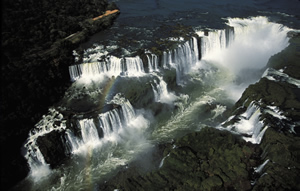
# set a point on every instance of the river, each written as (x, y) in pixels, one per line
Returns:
(128, 95)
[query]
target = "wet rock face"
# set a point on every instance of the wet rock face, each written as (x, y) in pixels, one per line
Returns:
(211, 160)
(138, 92)
(279, 90)
(283, 169)
(278, 102)
(36, 72)
(280, 86)
(205, 160)
(277, 93)
(218, 160)
(52, 146)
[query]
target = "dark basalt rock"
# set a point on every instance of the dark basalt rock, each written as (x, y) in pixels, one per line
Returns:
(35, 60)
(283, 169)
(207, 160)
(137, 90)
(288, 59)
(218, 160)
(281, 94)
(281, 140)
(53, 148)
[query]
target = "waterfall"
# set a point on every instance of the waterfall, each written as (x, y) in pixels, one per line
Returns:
(162, 161)
(88, 131)
(122, 127)
(112, 66)
(53, 121)
(280, 76)
(245, 44)
(115, 66)
(134, 66)
(152, 61)
(161, 93)
(249, 124)
(183, 58)
(215, 41)
(91, 132)
(103, 126)
(75, 72)
(241, 35)
(260, 167)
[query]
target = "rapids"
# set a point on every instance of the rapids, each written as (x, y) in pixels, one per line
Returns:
(104, 127)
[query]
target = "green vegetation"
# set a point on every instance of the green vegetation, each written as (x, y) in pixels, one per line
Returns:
(35, 57)
(283, 170)
(219, 160)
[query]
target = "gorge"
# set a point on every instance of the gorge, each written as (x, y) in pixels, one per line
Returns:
(200, 107)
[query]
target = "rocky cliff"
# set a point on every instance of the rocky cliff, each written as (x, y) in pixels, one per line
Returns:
(216, 159)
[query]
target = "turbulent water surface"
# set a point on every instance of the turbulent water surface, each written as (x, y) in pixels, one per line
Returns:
(122, 104)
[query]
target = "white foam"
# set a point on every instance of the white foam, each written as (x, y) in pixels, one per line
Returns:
(249, 125)
(280, 76)
(260, 167)
(161, 93)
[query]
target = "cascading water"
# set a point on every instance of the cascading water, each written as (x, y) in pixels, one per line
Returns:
(53, 121)
(255, 34)
(203, 78)
(152, 61)
(251, 42)
(161, 93)
(113, 66)
(183, 58)
(92, 133)
(134, 66)
(249, 124)
(103, 126)
(214, 41)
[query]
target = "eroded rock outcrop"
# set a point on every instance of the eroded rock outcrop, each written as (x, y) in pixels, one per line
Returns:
(207, 160)
(220, 160)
